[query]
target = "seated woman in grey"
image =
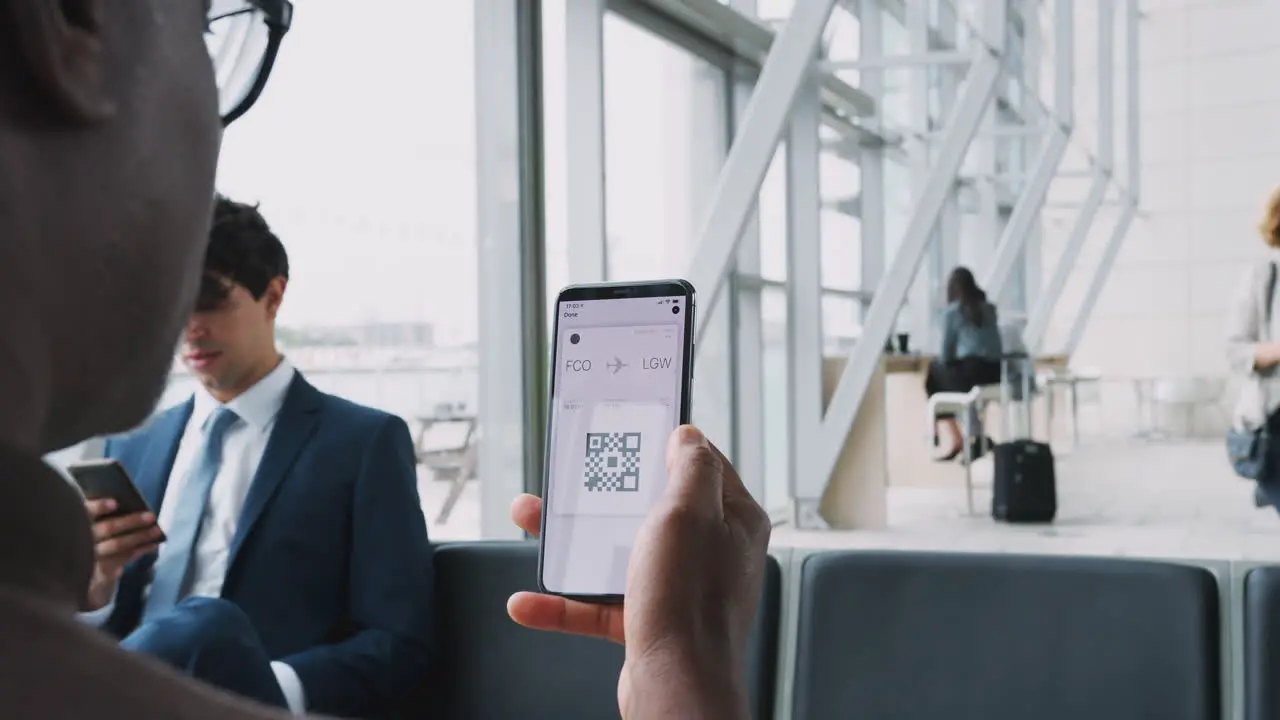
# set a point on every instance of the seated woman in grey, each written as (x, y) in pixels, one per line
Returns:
(971, 350)
(1253, 352)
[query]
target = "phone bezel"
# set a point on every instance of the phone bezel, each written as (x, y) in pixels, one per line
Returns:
(614, 291)
(133, 494)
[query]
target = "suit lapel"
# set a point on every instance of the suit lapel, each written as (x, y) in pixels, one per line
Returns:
(294, 426)
(162, 448)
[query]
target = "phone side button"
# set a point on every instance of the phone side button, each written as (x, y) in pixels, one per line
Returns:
(693, 359)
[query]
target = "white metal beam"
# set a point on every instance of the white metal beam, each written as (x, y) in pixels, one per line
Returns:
(975, 95)
(929, 59)
(747, 324)
(950, 226)
(871, 161)
(738, 187)
(1042, 312)
(993, 19)
(1100, 275)
(993, 22)
(804, 280)
(918, 319)
(585, 159)
(511, 258)
(1025, 214)
(1129, 212)
(1133, 31)
(753, 39)
(1043, 116)
(1027, 209)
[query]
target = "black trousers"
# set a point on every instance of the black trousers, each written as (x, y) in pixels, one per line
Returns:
(960, 376)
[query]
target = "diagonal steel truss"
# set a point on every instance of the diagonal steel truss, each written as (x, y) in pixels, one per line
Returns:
(789, 65)
(975, 95)
(1026, 212)
(1042, 313)
(815, 436)
(1131, 200)
(791, 93)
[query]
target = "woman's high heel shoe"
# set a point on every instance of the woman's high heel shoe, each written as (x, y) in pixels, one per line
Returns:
(949, 456)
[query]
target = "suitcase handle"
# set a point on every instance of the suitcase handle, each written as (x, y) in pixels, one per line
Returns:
(1028, 372)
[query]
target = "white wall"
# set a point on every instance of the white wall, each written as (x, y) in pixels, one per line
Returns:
(1210, 118)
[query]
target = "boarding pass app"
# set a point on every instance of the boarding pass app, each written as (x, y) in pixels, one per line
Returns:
(616, 400)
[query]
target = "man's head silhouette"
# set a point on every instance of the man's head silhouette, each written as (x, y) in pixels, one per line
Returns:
(109, 136)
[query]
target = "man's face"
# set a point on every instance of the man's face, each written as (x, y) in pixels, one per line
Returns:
(227, 346)
(109, 135)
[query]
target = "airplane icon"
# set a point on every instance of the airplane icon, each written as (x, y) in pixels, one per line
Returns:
(616, 365)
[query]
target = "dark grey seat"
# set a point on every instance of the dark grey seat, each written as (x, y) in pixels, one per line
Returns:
(489, 667)
(1262, 644)
(923, 636)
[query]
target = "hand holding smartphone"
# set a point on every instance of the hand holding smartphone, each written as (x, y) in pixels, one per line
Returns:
(107, 479)
(124, 525)
(622, 368)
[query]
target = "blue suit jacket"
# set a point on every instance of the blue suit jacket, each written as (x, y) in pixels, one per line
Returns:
(330, 560)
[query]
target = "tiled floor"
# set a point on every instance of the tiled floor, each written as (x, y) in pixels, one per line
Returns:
(1171, 499)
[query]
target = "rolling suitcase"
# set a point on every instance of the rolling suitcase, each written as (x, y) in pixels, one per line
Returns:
(1024, 488)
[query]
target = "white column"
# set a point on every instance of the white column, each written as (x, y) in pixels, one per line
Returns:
(804, 285)
(747, 367)
(584, 115)
(512, 300)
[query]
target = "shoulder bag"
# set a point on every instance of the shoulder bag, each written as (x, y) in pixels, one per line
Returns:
(1247, 449)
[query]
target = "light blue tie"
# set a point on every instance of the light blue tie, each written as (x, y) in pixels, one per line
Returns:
(174, 564)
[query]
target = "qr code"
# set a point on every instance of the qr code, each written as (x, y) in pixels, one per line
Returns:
(613, 462)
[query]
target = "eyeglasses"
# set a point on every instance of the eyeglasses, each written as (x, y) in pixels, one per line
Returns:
(243, 38)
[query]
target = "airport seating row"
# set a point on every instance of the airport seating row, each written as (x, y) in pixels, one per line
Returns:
(902, 635)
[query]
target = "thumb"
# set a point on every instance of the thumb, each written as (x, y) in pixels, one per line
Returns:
(695, 478)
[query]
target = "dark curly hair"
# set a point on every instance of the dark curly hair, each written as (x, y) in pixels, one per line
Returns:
(242, 251)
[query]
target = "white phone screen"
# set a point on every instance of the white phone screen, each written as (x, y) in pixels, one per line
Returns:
(616, 399)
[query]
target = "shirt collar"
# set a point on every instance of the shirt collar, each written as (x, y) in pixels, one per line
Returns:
(257, 406)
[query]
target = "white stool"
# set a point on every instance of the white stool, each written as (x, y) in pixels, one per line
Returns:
(1071, 379)
(964, 405)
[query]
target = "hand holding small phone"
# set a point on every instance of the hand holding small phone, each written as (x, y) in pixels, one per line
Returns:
(622, 371)
(124, 526)
(117, 541)
(692, 592)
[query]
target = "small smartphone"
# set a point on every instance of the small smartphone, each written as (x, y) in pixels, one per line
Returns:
(107, 478)
(621, 373)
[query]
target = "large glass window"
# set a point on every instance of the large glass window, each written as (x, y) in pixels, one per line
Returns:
(841, 273)
(776, 425)
(665, 141)
(841, 185)
(772, 210)
(555, 146)
(363, 162)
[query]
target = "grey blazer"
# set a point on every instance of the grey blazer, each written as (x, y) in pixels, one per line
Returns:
(1246, 329)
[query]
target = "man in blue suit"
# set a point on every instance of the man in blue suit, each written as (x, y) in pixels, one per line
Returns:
(289, 561)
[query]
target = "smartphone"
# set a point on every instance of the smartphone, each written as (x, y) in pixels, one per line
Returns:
(107, 478)
(621, 372)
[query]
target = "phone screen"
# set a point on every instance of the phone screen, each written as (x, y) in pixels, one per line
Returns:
(618, 391)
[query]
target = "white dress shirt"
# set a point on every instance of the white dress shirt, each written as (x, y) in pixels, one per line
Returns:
(243, 446)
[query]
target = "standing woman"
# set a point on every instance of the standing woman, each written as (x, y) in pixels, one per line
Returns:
(971, 350)
(1253, 352)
